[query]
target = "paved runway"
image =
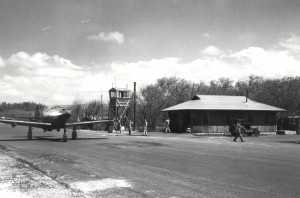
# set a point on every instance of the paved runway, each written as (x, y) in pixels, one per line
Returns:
(99, 164)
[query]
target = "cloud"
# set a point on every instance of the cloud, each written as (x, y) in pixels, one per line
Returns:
(111, 36)
(292, 43)
(234, 65)
(268, 63)
(46, 28)
(85, 21)
(40, 64)
(145, 72)
(40, 77)
(211, 51)
(206, 35)
(53, 79)
(1, 62)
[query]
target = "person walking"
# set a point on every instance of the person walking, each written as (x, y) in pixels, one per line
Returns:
(167, 126)
(238, 131)
(145, 127)
(130, 126)
(188, 129)
(120, 125)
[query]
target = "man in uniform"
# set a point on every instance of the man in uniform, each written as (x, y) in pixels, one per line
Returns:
(145, 127)
(119, 124)
(238, 131)
(130, 126)
(188, 129)
(167, 126)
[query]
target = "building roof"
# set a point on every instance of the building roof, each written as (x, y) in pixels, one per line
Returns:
(119, 89)
(217, 102)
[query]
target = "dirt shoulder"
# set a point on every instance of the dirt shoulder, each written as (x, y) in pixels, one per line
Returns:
(21, 179)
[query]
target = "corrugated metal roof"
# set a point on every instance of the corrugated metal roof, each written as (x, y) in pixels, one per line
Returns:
(217, 102)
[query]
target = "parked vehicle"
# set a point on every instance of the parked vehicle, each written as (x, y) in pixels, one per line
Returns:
(245, 130)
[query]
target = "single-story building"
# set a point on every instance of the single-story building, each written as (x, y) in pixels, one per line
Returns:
(215, 113)
(291, 123)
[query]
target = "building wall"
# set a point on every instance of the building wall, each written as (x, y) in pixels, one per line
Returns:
(225, 129)
(218, 121)
(289, 123)
(210, 129)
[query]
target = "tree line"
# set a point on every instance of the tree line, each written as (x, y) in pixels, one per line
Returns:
(19, 109)
(168, 91)
(88, 111)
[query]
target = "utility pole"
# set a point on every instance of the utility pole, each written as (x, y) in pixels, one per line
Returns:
(134, 105)
(101, 108)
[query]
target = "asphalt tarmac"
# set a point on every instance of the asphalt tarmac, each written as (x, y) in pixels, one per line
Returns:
(99, 164)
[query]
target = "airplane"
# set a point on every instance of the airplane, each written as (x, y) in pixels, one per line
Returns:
(55, 119)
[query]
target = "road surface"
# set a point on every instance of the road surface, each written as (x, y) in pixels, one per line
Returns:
(99, 164)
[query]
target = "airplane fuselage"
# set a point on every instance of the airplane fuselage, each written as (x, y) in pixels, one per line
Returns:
(57, 121)
(57, 117)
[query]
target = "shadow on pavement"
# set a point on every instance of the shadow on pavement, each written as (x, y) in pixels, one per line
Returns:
(290, 141)
(21, 137)
(140, 143)
(48, 138)
(131, 144)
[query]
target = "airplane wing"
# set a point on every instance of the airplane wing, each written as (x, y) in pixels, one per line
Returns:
(24, 123)
(86, 123)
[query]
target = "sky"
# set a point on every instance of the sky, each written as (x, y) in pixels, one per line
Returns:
(62, 51)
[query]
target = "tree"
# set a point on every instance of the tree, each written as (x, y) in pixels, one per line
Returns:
(164, 93)
(283, 93)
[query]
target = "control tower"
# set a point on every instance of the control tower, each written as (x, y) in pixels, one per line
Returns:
(119, 99)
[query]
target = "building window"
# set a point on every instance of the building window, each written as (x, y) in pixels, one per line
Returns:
(292, 121)
(267, 118)
(228, 118)
(250, 119)
(120, 94)
(205, 118)
(125, 94)
(197, 117)
(113, 94)
(273, 119)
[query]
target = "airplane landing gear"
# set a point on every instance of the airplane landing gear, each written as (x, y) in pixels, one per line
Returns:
(65, 136)
(74, 134)
(29, 134)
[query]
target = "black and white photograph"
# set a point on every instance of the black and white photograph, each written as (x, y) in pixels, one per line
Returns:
(149, 98)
